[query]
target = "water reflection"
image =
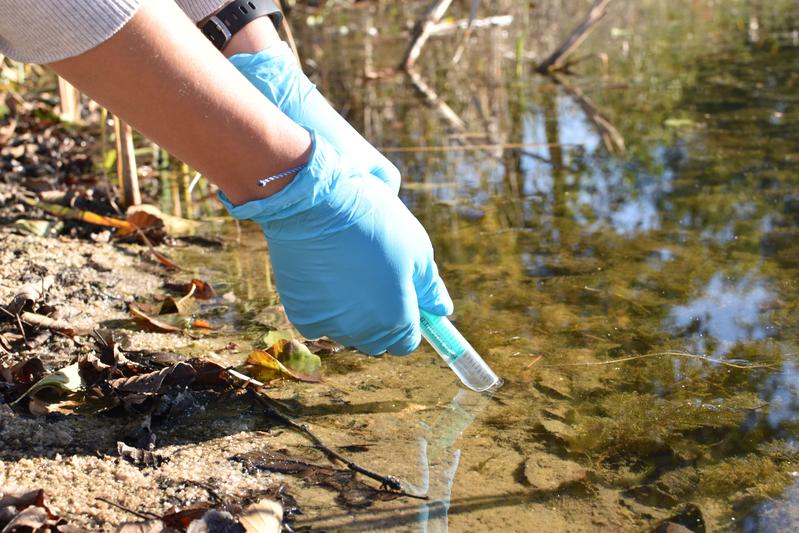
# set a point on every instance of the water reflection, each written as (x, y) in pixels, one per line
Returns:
(686, 243)
(439, 459)
(726, 312)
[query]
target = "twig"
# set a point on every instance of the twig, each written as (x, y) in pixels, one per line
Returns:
(45, 322)
(385, 481)
(662, 354)
(421, 31)
(147, 516)
(443, 28)
(21, 329)
(433, 99)
(575, 38)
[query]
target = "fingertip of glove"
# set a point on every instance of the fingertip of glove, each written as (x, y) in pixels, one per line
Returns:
(439, 304)
(390, 175)
(408, 344)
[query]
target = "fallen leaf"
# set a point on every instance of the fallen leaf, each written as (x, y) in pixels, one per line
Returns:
(272, 337)
(29, 294)
(265, 516)
(214, 521)
(140, 220)
(146, 216)
(288, 357)
(41, 408)
(323, 346)
(30, 519)
(182, 306)
(45, 322)
(140, 457)
(24, 373)
(181, 518)
(65, 380)
(40, 228)
(152, 323)
(151, 382)
(203, 290)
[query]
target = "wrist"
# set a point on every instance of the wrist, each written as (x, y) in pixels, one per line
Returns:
(254, 37)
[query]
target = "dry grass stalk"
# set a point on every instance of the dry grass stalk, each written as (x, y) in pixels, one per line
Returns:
(127, 172)
(69, 108)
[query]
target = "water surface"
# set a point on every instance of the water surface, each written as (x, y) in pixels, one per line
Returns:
(640, 304)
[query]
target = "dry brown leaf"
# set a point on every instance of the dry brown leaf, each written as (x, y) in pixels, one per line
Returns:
(202, 289)
(152, 323)
(265, 516)
(61, 326)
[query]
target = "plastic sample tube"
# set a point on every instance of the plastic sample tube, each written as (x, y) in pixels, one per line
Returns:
(458, 353)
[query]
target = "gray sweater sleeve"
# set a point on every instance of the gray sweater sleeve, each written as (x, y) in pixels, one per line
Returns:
(43, 31)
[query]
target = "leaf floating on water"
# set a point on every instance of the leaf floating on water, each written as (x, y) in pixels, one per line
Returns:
(202, 289)
(287, 357)
(152, 323)
(171, 323)
(182, 306)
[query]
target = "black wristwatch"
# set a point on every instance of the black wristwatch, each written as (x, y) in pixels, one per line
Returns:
(223, 25)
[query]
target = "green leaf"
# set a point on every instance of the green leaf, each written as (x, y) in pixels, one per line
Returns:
(286, 358)
(271, 338)
(66, 380)
(41, 228)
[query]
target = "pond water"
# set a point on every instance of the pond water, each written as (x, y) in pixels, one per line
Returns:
(640, 304)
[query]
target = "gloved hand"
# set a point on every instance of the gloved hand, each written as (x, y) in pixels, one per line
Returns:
(275, 73)
(350, 261)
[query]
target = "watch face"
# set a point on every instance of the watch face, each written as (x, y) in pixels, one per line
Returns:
(216, 32)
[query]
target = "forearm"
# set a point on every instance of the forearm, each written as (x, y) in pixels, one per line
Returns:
(163, 76)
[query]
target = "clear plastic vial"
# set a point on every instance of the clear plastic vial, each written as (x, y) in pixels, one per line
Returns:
(458, 353)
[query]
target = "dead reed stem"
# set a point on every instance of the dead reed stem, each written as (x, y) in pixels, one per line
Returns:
(127, 172)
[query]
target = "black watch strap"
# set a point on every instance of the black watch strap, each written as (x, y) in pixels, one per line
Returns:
(223, 25)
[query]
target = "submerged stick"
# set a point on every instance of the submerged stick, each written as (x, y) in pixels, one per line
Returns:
(385, 481)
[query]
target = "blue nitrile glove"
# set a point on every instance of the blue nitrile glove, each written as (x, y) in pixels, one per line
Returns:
(350, 261)
(275, 73)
